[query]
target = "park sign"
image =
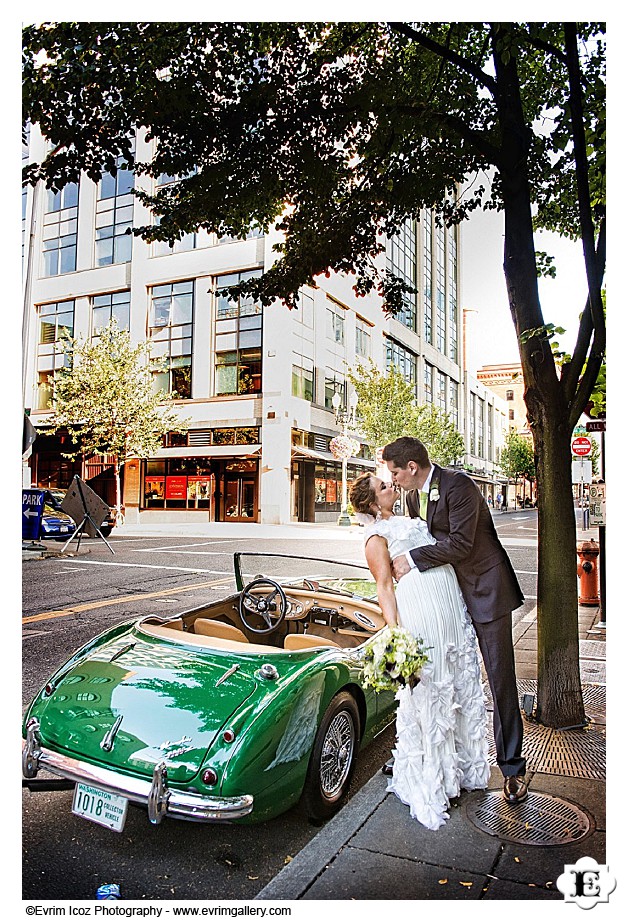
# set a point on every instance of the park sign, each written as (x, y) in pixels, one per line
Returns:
(32, 510)
(581, 446)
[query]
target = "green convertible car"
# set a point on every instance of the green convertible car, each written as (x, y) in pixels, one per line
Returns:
(232, 711)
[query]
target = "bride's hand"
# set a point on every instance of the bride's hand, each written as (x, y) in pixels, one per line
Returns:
(400, 567)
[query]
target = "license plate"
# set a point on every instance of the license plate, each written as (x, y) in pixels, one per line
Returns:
(100, 806)
(63, 528)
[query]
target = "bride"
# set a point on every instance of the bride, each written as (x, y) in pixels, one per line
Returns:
(441, 723)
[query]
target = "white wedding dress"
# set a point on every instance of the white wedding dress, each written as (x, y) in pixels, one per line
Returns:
(441, 723)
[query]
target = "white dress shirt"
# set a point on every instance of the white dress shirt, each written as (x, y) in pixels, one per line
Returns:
(424, 489)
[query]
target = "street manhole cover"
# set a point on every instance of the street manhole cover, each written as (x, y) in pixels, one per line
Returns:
(539, 820)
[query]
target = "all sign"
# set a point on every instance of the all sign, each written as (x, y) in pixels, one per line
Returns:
(581, 446)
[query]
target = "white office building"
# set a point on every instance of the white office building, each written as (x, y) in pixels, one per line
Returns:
(257, 383)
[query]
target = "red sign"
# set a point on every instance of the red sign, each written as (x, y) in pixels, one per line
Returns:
(581, 446)
(176, 487)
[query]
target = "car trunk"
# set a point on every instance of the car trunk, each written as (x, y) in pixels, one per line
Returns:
(167, 696)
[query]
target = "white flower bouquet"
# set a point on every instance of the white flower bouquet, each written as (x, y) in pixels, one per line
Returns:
(393, 658)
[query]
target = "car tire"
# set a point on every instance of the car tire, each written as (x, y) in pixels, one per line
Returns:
(105, 530)
(333, 759)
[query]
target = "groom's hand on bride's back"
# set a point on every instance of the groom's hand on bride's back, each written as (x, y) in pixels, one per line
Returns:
(400, 567)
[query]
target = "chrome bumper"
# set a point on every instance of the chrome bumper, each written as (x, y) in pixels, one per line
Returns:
(159, 799)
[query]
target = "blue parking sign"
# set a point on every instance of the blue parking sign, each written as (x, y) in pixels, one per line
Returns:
(32, 510)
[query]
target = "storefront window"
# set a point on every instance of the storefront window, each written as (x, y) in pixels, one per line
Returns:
(178, 483)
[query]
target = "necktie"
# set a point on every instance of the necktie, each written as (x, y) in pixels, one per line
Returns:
(423, 504)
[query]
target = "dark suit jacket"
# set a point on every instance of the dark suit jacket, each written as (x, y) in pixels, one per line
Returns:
(465, 536)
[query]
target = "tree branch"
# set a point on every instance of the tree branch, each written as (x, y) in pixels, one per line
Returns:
(403, 28)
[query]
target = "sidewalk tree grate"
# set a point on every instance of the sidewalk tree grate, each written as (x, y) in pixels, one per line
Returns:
(540, 820)
(575, 753)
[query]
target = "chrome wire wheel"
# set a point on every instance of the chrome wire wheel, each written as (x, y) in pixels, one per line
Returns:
(337, 754)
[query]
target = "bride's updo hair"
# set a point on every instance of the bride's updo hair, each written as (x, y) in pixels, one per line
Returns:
(362, 494)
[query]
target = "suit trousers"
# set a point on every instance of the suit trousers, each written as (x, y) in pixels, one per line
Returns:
(496, 647)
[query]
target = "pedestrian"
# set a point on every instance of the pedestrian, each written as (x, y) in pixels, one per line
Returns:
(441, 722)
(462, 525)
(499, 500)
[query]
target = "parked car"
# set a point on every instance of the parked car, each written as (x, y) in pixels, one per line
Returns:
(54, 497)
(232, 711)
(56, 524)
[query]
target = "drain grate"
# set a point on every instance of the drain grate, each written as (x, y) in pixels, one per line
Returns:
(540, 820)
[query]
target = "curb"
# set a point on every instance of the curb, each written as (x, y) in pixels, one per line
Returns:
(295, 878)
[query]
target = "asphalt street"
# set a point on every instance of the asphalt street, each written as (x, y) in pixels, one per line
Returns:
(68, 600)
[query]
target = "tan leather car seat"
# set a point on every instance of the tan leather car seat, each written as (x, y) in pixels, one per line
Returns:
(306, 641)
(210, 628)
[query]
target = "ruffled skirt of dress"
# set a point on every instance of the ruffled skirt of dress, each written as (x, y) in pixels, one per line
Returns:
(441, 723)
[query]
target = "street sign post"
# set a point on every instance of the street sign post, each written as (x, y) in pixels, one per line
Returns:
(581, 446)
(597, 500)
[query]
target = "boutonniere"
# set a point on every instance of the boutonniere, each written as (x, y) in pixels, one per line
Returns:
(434, 494)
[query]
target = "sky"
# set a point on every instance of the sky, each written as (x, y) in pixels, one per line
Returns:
(491, 338)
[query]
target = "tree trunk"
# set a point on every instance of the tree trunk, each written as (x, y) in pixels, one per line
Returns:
(559, 694)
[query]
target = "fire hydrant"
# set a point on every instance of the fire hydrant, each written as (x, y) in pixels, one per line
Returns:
(588, 553)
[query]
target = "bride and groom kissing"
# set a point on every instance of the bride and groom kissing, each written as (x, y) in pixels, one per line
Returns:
(455, 589)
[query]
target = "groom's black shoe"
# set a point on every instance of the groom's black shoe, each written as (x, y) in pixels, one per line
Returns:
(387, 769)
(515, 789)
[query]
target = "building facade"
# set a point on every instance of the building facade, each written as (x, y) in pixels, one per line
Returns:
(256, 383)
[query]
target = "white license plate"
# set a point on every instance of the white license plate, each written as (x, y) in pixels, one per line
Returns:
(100, 806)
(63, 528)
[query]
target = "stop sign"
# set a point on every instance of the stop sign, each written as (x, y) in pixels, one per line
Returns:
(581, 446)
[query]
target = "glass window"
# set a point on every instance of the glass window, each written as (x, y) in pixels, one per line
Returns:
(187, 241)
(335, 326)
(170, 332)
(105, 308)
(401, 261)
(428, 387)
(303, 379)
(427, 276)
(440, 289)
(397, 356)
(56, 324)
(114, 217)
(453, 295)
(238, 339)
(334, 384)
(362, 339)
(60, 230)
(305, 309)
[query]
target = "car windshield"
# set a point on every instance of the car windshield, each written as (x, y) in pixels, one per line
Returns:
(348, 577)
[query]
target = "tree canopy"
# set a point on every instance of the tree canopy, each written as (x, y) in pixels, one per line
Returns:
(387, 410)
(104, 397)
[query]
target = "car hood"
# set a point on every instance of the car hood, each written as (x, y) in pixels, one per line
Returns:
(132, 704)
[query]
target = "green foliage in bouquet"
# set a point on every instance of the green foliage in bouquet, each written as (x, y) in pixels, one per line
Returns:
(393, 658)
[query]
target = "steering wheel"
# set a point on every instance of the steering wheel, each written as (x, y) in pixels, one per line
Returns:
(271, 607)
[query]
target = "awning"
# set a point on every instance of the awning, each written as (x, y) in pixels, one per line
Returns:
(209, 451)
(300, 452)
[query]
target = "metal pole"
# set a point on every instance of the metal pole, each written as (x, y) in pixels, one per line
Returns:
(602, 539)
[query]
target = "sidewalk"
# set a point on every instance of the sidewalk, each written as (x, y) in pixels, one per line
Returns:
(488, 850)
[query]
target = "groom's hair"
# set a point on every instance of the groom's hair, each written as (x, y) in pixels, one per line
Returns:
(406, 449)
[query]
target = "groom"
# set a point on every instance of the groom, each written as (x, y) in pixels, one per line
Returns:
(458, 517)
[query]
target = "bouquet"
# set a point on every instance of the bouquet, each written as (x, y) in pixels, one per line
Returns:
(392, 659)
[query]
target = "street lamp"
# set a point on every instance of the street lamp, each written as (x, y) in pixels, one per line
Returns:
(345, 446)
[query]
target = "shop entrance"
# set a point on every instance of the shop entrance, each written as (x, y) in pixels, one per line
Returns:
(240, 498)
